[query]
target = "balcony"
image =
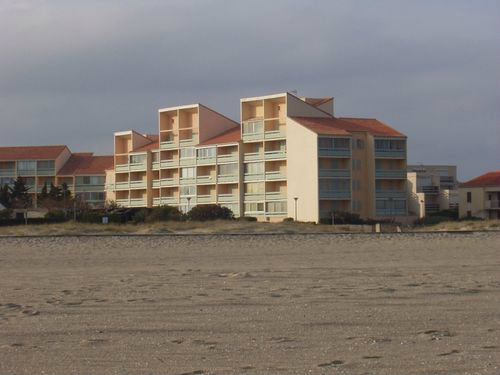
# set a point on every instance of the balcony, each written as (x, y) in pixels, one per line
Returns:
(335, 173)
(335, 195)
(251, 197)
(430, 189)
(253, 156)
(7, 172)
(26, 172)
(166, 145)
(140, 184)
(492, 205)
(274, 134)
(137, 202)
(227, 198)
(226, 158)
(390, 173)
(121, 168)
(205, 180)
(273, 213)
(390, 154)
(170, 163)
(253, 177)
(155, 165)
(46, 172)
(339, 152)
(83, 188)
(122, 185)
(187, 180)
(168, 200)
(258, 126)
(275, 195)
(165, 182)
(205, 161)
(275, 175)
(122, 202)
(391, 212)
(187, 161)
(228, 178)
(137, 166)
(275, 154)
(395, 194)
(205, 198)
(189, 141)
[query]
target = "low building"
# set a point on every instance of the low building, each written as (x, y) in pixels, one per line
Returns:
(437, 183)
(84, 173)
(480, 197)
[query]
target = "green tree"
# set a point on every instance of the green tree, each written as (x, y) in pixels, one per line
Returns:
(55, 192)
(5, 196)
(44, 193)
(19, 194)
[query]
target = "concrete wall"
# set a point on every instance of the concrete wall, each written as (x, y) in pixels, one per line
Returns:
(62, 159)
(297, 107)
(476, 207)
(302, 172)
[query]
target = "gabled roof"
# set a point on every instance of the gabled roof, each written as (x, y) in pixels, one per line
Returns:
(487, 179)
(372, 126)
(322, 125)
(31, 152)
(232, 135)
(86, 164)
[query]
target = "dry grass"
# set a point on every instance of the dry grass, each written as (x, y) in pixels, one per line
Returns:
(218, 227)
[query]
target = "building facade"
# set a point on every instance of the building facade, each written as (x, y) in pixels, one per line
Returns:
(287, 157)
(438, 184)
(480, 197)
(38, 166)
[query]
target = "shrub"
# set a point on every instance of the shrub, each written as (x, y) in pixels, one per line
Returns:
(288, 220)
(165, 213)
(56, 215)
(5, 214)
(141, 216)
(451, 214)
(210, 212)
(248, 218)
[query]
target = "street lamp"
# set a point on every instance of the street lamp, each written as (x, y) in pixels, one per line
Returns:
(189, 200)
(296, 199)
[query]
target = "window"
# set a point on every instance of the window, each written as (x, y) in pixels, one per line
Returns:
(155, 157)
(325, 143)
(188, 190)
(254, 168)
(252, 127)
(206, 153)
(277, 207)
(390, 144)
(254, 188)
(228, 169)
(399, 204)
(91, 196)
(341, 143)
(469, 197)
(188, 172)
(26, 165)
(254, 207)
(90, 180)
(381, 204)
(188, 152)
(6, 181)
(332, 185)
(137, 159)
(45, 164)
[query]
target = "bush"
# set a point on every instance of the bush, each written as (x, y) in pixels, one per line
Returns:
(56, 215)
(5, 214)
(210, 212)
(141, 216)
(449, 214)
(288, 220)
(248, 218)
(96, 216)
(165, 213)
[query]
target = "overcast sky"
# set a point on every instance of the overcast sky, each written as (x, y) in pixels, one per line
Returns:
(73, 72)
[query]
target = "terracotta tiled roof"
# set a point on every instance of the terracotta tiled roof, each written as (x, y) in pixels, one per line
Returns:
(322, 125)
(487, 179)
(372, 126)
(232, 135)
(31, 152)
(86, 164)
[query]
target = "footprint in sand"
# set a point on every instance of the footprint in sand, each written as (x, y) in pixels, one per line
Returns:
(195, 372)
(371, 357)
(449, 353)
(334, 363)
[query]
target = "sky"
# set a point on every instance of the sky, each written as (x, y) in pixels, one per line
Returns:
(73, 72)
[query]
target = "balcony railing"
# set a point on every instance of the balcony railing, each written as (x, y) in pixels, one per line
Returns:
(390, 153)
(273, 195)
(165, 182)
(165, 145)
(274, 134)
(396, 194)
(83, 188)
(46, 172)
(430, 189)
(137, 202)
(123, 202)
(492, 204)
(205, 179)
(275, 213)
(227, 158)
(137, 166)
(122, 185)
(205, 198)
(140, 184)
(205, 161)
(249, 197)
(390, 173)
(334, 173)
(228, 178)
(275, 175)
(274, 154)
(169, 200)
(346, 194)
(155, 165)
(169, 163)
(253, 156)
(227, 197)
(187, 180)
(253, 177)
(391, 212)
(187, 161)
(7, 172)
(335, 152)
(121, 167)
(26, 172)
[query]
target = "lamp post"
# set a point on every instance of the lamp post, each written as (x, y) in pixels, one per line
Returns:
(189, 200)
(295, 199)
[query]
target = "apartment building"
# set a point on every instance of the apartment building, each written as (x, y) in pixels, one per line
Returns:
(480, 197)
(437, 183)
(84, 173)
(287, 157)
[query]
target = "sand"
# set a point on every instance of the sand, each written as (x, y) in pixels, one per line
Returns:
(315, 304)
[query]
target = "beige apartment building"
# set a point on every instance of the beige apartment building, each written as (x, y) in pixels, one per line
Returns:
(480, 197)
(84, 173)
(287, 157)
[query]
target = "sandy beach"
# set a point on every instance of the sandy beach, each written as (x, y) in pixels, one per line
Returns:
(316, 304)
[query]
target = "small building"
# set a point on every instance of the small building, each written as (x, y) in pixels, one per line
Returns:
(437, 184)
(480, 197)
